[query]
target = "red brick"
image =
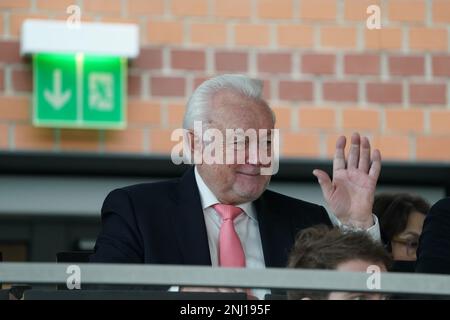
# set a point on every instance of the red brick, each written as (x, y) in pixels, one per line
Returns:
(84, 140)
(251, 34)
(199, 80)
(441, 65)
(407, 65)
(283, 9)
(14, 108)
(16, 20)
(28, 137)
(10, 52)
(144, 112)
(189, 7)
(175, 115)
(232, 8)
(340, 91)
(433, 148)
(4, 136)
(104, 6)
(338, 37)
(134, 85)
(165, 32)
(300, 145)
(377, 92)
(146, 7)
(295, 35)
(22, 80)
(318, 9)
(275, 62)
(149, 58)
(441, 11)
(188, 60)
(2, 81)
(283, 117)
(317, 118)
(427, 93)
(55, 5)
(362, 64)
(231, 61)
(161, 142)
(361, 119)
(392, 147)
(13, 4)
(384, 38)
(440, 121)
(168, 86)
(212, 34)
(405, 120)
(318, 63)
(426, 38)
(296, 90)
(357, 9)
(129, 140)
(406, 10)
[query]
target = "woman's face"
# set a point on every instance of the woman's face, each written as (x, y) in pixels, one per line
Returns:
(404, 245)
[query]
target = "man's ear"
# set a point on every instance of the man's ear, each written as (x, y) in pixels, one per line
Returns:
(194, 145)
(191, 141)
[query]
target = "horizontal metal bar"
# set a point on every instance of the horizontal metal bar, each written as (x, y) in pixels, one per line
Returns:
(274, 278)
(137, 165)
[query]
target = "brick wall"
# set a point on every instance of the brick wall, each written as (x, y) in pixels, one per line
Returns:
(325, 73)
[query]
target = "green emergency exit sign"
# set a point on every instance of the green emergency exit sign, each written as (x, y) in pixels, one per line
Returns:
(79, 91)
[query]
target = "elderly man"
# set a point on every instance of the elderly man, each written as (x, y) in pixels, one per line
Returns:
(221, 214)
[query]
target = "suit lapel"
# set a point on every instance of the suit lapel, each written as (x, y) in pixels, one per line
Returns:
(190, 229)
(276, 233)
(189, 222)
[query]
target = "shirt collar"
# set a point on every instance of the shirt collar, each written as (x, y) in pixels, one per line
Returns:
(208, 198)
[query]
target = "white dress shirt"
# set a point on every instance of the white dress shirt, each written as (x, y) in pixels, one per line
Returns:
(246, 226)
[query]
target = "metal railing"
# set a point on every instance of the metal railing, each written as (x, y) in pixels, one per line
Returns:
(273, 278)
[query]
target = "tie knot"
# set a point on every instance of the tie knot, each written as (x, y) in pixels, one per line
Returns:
(227, 211)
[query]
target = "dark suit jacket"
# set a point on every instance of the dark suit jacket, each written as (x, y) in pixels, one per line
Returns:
(433, 254)
(163, 223)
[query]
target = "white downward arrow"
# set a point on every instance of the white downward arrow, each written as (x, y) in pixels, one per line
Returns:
(57, 98)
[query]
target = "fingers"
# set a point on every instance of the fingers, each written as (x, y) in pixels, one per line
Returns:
(375, 168)
(359, 156)
(364, 156)
(353, 154)
(339, 156)
(325, 182)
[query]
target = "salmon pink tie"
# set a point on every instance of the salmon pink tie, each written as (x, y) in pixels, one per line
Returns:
(231, 253)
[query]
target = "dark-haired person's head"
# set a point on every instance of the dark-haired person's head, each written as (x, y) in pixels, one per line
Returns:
(401, 218)
(332, 249)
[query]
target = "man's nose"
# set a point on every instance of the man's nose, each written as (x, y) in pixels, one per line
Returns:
(252, 155)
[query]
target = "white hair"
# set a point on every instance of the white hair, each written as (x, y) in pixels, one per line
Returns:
(199, 103)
